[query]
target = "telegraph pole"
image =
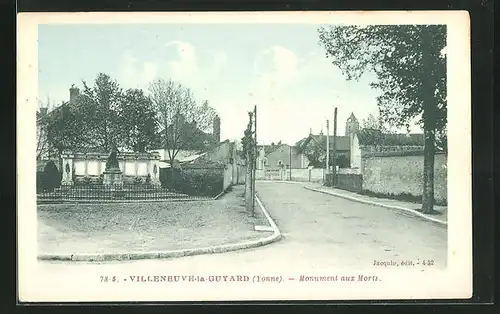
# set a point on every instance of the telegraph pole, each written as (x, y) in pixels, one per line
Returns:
(255, 157)
(334, 146)
(327, 147)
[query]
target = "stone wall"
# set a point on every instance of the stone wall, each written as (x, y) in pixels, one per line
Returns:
(299, 174)
(350, 182)
(241, 173)
(228, 177)
(403, 175)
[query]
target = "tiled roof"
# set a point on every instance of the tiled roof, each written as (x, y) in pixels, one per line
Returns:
(341, 142)
(268, 148)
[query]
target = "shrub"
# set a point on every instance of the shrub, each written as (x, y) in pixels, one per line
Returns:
(86, 180)
(100, 180)
(195, 182)
(137, 181)
(51, 177)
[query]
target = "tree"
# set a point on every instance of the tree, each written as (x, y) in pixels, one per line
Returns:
(372, 131)
(375, 123)
(183, 120)
(249, 156)
(442, 140)
(42, 144)
(99, 107)
(409, 63)
(64, 130)
(315, 153)
(136, 120)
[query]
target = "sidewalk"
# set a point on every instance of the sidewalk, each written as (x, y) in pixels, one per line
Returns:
(410, 208)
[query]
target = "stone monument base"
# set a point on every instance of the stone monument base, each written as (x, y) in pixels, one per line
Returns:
(113, 177)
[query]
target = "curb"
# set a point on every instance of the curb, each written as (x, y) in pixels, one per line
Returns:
(411, 211)
(99, 257)
(219, 195)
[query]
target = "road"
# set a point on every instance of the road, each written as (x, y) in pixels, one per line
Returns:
(320, 231)
(322, 235)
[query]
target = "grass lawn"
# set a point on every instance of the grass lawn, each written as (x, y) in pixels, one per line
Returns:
(142, 226)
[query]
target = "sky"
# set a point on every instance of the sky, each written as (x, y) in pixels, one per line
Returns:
(280, 68)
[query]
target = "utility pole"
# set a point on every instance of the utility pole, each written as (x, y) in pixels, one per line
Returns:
(255, 157)
(334, 146)
(327, 147)
(290, 163)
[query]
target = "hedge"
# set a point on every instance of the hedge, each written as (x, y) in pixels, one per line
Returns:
(194, 182)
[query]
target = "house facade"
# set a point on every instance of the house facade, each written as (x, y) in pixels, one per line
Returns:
(281, 156)
(314, 146)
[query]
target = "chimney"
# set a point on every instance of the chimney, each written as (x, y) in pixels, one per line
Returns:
(74, 92)
(216, 129)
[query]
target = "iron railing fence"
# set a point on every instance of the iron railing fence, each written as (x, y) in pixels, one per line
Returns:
(126, 192)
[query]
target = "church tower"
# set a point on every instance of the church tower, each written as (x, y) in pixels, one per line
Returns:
(74, 92)
(351, 125)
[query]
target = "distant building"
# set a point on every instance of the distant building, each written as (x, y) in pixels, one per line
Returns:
(222, 154)
(347, 149)
(281, 156)
(314, 146)
(193, 141)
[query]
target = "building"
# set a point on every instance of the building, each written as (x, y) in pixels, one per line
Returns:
(281, 156)
(192, 143)
(346, 150)
(370, 142)
(222, 154)
(351, 125)
(314, 146)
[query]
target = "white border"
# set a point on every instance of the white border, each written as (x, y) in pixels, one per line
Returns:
(52, 284)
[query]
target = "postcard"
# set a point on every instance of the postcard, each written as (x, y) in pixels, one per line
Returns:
(244, 156)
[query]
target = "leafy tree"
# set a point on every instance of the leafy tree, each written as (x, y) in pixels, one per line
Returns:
(99, 107)
(410, 66)
(442, 140)
(183, 121)
(136, 119)
(42, 144)
(375, 123)
(63, 128)
(373, 131)
(315, 153)
(370, 122)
